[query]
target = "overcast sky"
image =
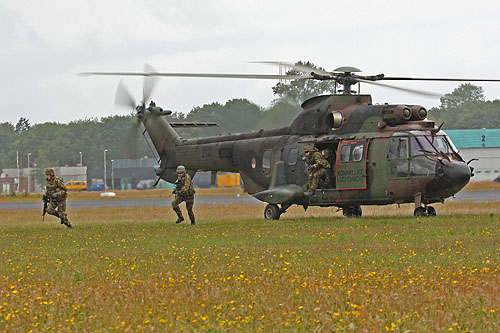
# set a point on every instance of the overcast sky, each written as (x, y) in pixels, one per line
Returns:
(45, 43)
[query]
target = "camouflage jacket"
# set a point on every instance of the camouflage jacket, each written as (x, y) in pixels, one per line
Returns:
(56, 185)
(318, 161)
(186, 187)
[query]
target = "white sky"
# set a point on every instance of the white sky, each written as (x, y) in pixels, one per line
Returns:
(43, 44)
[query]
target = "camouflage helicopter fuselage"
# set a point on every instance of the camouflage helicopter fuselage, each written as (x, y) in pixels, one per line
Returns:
(380, 154)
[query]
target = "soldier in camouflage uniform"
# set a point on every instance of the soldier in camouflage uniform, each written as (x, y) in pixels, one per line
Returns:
(56, 194)
(184, 191)
(318, 167)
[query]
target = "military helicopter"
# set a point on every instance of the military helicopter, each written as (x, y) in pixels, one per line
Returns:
(380, 154)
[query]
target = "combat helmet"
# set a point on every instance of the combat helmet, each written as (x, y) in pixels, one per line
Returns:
(308, 148)
(180, 169)
(50, 172)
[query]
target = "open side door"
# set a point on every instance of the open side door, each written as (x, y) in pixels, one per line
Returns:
(350, 167)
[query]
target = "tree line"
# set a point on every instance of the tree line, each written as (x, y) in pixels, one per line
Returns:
(60, 144)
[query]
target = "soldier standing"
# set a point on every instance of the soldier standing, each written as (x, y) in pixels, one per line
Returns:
(184, 191)
(56, 194)
(318, 167)
(330, 179)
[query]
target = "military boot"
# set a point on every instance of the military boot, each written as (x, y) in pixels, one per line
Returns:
(193, 222)
(180, 219)
(66, 222)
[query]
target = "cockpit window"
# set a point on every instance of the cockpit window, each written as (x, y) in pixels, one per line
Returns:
(421, 146)
(398, 148)
(452, 146)
(440, 143)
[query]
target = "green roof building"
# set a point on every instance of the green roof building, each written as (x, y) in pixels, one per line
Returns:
(475, 138)
(483, 144)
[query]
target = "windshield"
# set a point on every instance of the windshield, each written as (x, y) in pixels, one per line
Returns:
(429, 144)
(420, 146)
(440, 143)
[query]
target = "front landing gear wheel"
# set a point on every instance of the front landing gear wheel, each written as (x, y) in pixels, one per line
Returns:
(419, 212)
(424, 211)
(272, 212)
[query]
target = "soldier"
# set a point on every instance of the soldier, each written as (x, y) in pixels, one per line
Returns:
(184, 191)
(318, 167)
(56, 194)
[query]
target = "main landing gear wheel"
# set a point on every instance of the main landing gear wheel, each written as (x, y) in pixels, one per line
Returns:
(424, 211)
(272, 212)
(352, 211)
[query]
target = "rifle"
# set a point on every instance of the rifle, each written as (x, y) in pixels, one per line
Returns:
(45, 200)
(309, 166)
(177, 187)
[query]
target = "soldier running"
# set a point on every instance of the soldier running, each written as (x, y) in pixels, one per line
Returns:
(318, 167)
(56, 194)
(184, 191)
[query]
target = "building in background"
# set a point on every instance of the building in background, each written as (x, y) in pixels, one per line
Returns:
(124, 174)
(37, 177)
(7, 184)
(483, 144)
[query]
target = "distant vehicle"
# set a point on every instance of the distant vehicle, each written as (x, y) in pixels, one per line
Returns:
(96, 187)
(76, 185)
(145, 184)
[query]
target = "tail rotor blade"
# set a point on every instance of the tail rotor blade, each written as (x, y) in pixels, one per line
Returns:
(149, 83)
(123, 97)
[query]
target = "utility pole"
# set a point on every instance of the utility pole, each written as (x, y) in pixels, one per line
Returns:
(112, 176)
(105, 150)
(17, 165)
(28, 189)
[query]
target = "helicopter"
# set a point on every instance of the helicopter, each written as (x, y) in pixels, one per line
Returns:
(380, 154)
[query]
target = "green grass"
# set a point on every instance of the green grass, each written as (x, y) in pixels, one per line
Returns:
(135, 269)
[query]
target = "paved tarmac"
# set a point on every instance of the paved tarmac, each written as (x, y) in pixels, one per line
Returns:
(130, 202)
(476, 196)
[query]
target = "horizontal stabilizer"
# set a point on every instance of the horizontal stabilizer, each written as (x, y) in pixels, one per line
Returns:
(192, 124)
(281, 194)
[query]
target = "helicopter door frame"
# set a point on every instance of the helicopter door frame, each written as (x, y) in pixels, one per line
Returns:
(350, 167)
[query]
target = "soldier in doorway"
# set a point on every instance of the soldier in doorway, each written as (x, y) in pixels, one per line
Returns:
(330, 178)
(184, 191)
(318, 166)
(56, 194)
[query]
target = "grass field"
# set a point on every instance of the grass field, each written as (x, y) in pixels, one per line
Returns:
(134, 269)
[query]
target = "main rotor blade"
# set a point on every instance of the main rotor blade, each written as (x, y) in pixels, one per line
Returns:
(204, 75)
(149, 83)
(396, 78)
(410, 90)
(299, 68)
(123, 97)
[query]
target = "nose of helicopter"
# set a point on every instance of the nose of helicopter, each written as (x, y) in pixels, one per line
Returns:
(450, 178)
